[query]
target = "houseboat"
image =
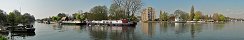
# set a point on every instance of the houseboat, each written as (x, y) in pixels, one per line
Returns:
(73, 22)
(21, 28)
(64, 20)
(122, 22)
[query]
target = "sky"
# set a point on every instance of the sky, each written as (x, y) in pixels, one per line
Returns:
(47, 8)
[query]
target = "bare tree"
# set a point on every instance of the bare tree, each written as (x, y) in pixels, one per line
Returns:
(129, 6)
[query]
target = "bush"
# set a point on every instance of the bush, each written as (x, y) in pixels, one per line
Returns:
(2, 38)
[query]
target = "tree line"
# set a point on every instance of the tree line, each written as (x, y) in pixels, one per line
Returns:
(126, 9)
(15, 17)
(119, 9)
(192, 16)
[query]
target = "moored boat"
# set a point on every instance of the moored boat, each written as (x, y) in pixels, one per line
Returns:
(21, 28)
(73, 22)
(122, 22)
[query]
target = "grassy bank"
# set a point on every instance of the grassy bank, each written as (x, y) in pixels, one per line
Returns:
(2, 38)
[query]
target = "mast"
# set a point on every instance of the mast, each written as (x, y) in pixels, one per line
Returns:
(20, 6)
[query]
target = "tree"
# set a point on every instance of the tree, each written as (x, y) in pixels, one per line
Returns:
(129, 6)
(215, 17)
(75, 16)
(78, 16)
(55, 18)
(3, 18)
(86, 15)
(206, 17)
(181, 14)
(198, 15)
(12, 19)
(218, 17)
(18, 16)
(27, 18)
(133, 18)
(164, 16)
(62, 15)
(222, 17)
(191, 16)
(116, 12)
(99, 12)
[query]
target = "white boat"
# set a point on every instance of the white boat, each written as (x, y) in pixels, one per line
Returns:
(200, 21)
(108, 21)
(71, 21)
(111, 22)
(178, 20)
(191, 21)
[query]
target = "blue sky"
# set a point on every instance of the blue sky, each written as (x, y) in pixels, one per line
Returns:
(46, 8)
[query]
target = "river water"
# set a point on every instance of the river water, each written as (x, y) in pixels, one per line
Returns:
(143, 31)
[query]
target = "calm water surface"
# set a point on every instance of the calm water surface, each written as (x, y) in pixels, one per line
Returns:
(143, 31)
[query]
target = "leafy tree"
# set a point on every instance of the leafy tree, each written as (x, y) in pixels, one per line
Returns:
(219, 17)
(86, 15)
(181, 14)
(129, 6)
(206, 17)
(215, 16)
(133, 18)
(18, 16)
(3, 18)
(164, 16)
(62, 15)
(27, 18)
(91, 16)
(78, 16)
(191, 16)
(99, 13)
(198, 15)
(12, 19)
(75, 16)
(55, 18)
(116, 12)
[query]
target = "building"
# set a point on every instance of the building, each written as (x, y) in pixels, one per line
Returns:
(148, 14)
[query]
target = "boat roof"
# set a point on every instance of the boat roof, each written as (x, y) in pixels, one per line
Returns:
(20, 25)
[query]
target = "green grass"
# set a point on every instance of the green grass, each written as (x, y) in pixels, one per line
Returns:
(2, 38)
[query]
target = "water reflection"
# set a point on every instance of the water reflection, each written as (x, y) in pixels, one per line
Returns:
(219, 26)
(18, 35)
(148, 28)
(194, 29)
(22, 35)
(62, 28)
(178, 29)
(112, 32)
(101, 32)
(143, 31)
(163, 27)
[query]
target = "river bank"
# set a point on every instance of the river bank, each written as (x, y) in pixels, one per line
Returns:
(3, 38)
